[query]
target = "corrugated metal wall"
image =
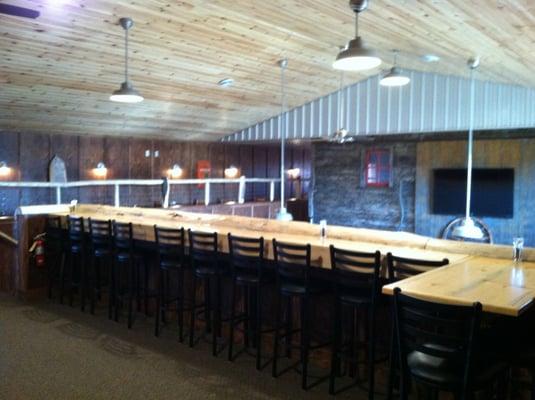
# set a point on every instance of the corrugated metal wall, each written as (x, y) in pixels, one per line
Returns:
(430, 103)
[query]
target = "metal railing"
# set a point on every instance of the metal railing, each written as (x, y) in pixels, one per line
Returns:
(58, 186)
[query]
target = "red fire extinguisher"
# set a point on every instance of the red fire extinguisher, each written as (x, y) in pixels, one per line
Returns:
(40, 253)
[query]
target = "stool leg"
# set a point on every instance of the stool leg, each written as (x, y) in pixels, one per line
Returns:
(62, 279)
(117, 299)
(371, 355)
(305, 341)
(180, 305)
(247, 313)
(232, 318)
(165, 295)
(158, 304)
(392, 363)
(74, 268)
(335, 360)
(146, 269)
(111, 298)
(93, 279)
(131, 288)
(193, 311)
(532, 384)
(216, 333)
(276, 334)
(208, 306)
(258, 330)
(289, 326)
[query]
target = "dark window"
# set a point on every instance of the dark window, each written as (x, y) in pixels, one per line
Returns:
(377, 168)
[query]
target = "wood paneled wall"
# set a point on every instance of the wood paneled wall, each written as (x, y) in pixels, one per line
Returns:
(29, 155)
(511, 153)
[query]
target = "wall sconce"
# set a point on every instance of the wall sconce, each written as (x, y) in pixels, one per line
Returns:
(4, 169)
(294, 173)
(231, 172)
(175, 172)
(100, 171)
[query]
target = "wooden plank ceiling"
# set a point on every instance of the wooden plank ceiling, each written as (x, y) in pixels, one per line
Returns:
(57, 72)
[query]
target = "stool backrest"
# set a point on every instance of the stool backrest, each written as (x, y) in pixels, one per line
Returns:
(100, 233)
(447, 332)
(75, 230)
(123, 237)
(401, 267)
(292, 262)
(246, 255)
(170, 244)
(203, 249)
(54, 239)
(355, 271)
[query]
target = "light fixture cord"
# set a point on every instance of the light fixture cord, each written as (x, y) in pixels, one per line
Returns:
(283, 132)
(126, 55)
(356, 24)
(342, 101)
(470, 144)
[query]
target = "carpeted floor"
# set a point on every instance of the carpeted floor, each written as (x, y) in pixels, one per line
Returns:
(52, 351)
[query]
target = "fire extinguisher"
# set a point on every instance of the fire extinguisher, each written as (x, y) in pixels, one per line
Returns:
(38, 250)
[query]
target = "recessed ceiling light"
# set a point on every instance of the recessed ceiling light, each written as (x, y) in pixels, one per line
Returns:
(227, 82)
(430, 58)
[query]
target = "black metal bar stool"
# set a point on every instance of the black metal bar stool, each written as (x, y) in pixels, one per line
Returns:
(54, 251)
(74, 268)
(207, 269)
(170, 256)
(400, 268)
(356, 289)
(248, 279)
(101, 250)
(293, 282)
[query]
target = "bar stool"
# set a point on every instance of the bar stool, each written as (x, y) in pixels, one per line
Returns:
(248, 279)
(439, 348)
(401, 268)
(293, 282)
(74, 268)
(356, 288)
(101, 249)
(207, 269)
(170, 256)
(54, 251)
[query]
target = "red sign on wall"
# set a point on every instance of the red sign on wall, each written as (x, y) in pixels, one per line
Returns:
(203, 171)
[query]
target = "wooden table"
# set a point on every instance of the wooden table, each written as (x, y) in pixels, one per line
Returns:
(501, 286)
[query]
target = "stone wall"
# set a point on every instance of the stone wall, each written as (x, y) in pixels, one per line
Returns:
(339, 195)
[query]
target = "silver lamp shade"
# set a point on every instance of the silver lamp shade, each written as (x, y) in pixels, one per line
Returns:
(126, 94)
(356, 57)
(394, 77)
(468, 230)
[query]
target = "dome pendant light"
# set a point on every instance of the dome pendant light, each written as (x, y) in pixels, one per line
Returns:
(468, 229)
(356, 56)
(394, 77)
(127, 93)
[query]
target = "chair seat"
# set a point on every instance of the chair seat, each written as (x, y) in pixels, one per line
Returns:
(206, 272)
(76, 248)
(447, 374)
(170, 264)
(291, 289)
(247, 279)
(355, 299)
(102, 252)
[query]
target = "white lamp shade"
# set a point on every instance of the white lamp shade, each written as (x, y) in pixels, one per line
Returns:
(394, 78)
(356, 57)
(468, 230)
(126, 94)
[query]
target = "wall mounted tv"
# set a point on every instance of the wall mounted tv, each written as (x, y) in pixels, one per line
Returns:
(492, 192)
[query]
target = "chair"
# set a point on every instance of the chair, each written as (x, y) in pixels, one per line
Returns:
(402, 268)
(293, 282)
(248, 279)
(356, 288)
(74, 269)
(439, 347)
(101, 249)
(207, 269)
(54, 250)
(171, 260)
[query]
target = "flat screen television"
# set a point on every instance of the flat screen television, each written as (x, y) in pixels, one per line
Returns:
(492, 192)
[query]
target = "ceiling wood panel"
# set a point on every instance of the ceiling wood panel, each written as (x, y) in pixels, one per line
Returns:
(57, 72)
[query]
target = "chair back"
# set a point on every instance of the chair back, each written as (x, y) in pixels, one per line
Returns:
(54, 239)
(356, 272)
(75, 231)
(292, 262)
(203, 249)
(447, 332)
(123, 237)
(100, 233)
(400, 267)
(170, 245)
(246, 255)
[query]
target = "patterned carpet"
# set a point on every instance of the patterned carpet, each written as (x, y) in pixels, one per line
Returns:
(50, 351)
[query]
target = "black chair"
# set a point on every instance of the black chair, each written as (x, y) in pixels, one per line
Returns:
(248, 279)
(207, 269)
(101, 250)
(356, 289)
(401, 268)
(74, 269)
(439, 348)
(125, 270)
(293, 281)
(170, 245)
(55, 250)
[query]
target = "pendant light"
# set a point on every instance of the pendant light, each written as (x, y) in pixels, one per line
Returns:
(394, 77)
(127, 93)
(283, 214)
(356, 56)
(341, 134)
(468, 229)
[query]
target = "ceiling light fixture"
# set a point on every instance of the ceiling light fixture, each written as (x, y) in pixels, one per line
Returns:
(175, 172)
(394, 77)
(100, 171)
(225, 83)
(127, 93)
(4, 169)
(468, 229)
(356, 56)
(430, 58)
(231, 172)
